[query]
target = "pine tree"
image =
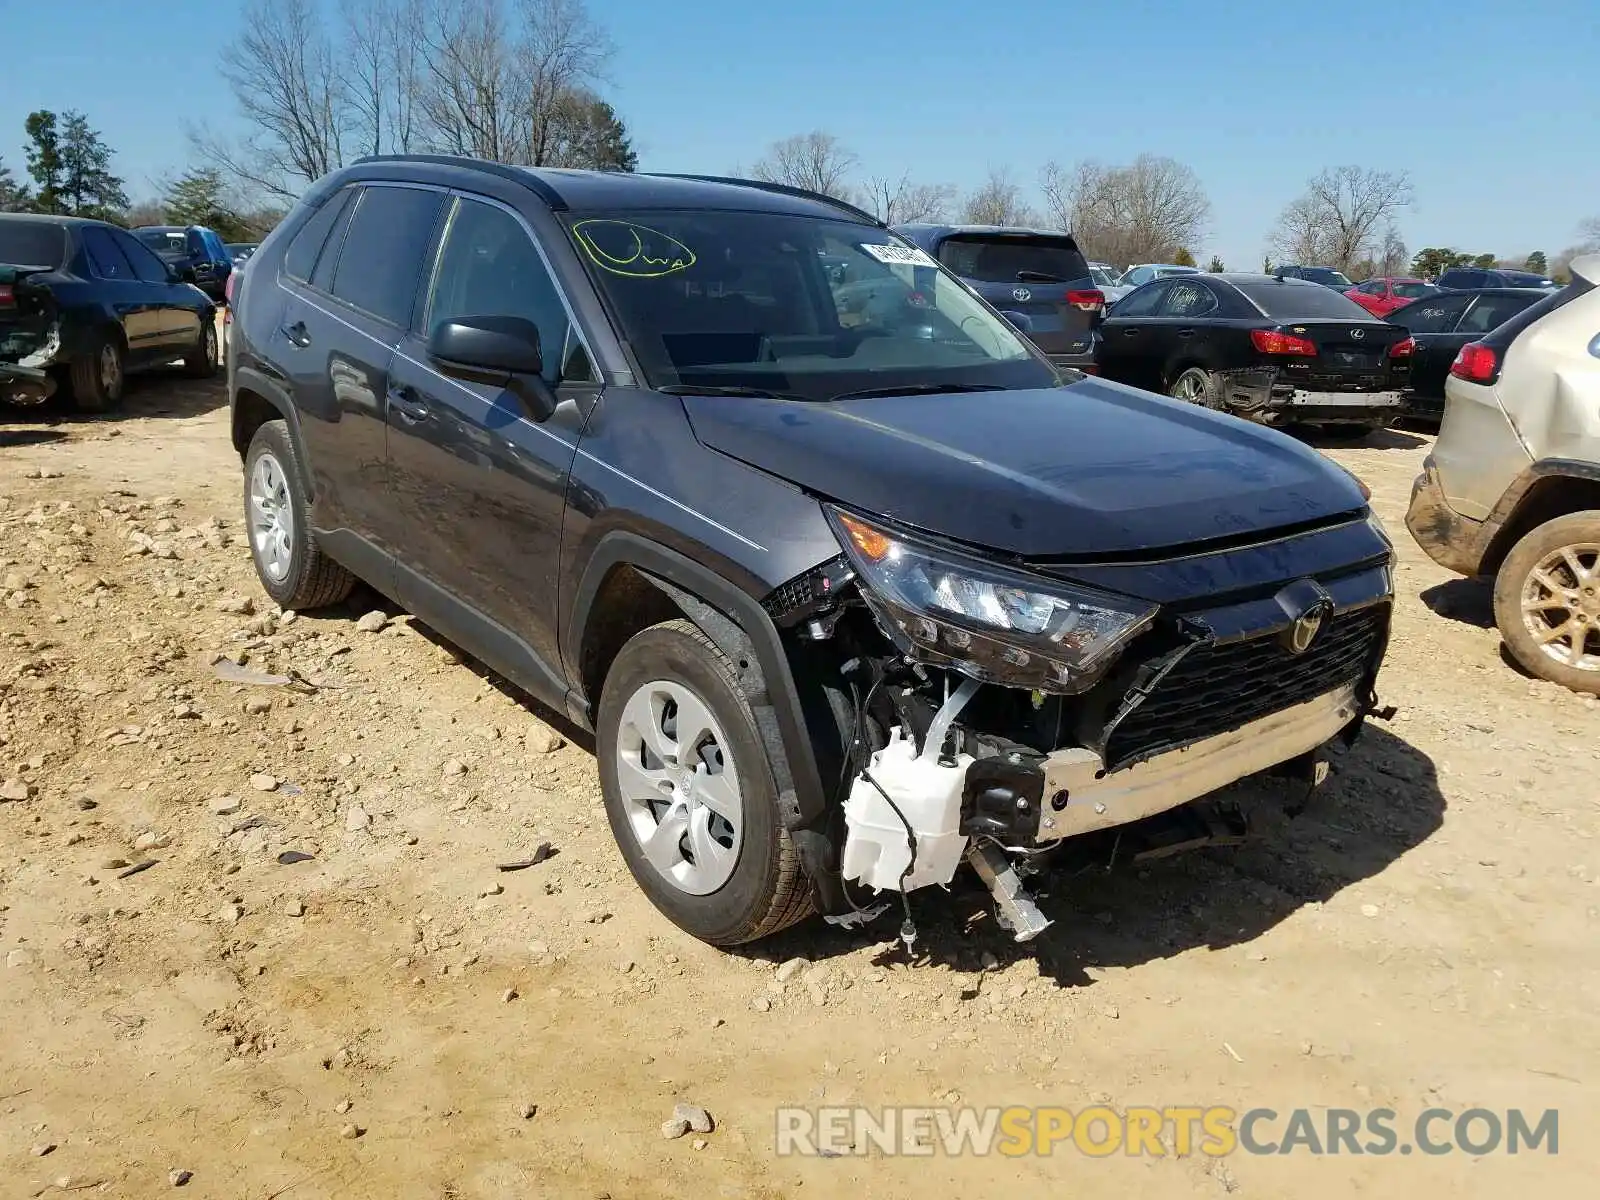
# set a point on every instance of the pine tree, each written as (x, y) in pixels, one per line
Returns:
(13, 195)
(87, 184)
(44, 160)
(196, 198)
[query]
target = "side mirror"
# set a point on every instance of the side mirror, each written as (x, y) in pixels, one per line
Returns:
(495, 350)
(173, 274)
(187, 275)
(1020, 321)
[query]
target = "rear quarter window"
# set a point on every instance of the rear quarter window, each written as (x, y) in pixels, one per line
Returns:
(301, 257)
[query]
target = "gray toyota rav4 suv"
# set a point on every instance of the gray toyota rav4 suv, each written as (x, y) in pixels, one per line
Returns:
(851, 600)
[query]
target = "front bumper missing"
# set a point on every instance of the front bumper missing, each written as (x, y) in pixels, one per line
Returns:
(1079, 797)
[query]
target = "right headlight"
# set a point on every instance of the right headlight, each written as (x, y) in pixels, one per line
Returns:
(986, 620)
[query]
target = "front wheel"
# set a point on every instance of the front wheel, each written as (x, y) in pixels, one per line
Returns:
(1547, 601)
(689, 792)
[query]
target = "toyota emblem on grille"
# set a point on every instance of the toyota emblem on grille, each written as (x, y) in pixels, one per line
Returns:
(1308, 607)
(1021, 294)
(1358, 334)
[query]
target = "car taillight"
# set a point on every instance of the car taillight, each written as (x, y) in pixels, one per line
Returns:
(1089, 299)
(1270, 341)
(8, 297)
(1404, 348)
(1476, 363)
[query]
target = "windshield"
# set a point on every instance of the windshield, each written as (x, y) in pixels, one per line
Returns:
(1001, 258)
(163, 241)
(1412, 290)
(1293, 300)
(798, 306)
(32, 244)
(1326, 276)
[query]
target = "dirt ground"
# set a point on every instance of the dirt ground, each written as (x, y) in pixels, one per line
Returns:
(377, 1019)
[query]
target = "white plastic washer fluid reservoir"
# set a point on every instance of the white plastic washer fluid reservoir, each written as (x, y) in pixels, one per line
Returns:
(876, 850)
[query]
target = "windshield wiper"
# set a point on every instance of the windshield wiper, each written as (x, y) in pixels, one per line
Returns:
(1040, 277)
(916, 389)
(716, 389)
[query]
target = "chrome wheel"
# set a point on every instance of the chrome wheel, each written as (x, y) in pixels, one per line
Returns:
(679, 787)
(209, 344)
(271, 517)
(110, 369)
(1561, 605)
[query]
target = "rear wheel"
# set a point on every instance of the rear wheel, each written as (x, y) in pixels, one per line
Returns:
(100, 376)
(201, 362)
(1196, 386)
(689, 791)
(291, 566)
(1547, 601)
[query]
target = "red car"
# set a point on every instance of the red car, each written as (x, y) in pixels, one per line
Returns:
(1380, 297)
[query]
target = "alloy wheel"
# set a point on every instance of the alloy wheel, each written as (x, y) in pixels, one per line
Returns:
(1561, 605)
(271, 517)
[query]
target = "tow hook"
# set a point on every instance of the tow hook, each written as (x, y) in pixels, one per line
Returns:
(1014, 907)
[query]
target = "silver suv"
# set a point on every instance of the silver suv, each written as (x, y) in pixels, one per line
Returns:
(1512, 488)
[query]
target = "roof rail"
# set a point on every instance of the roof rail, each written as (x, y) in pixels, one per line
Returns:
(782, 189)
(522, 175)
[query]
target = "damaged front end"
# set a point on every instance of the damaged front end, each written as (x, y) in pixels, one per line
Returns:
(30, 338)
(991, 712)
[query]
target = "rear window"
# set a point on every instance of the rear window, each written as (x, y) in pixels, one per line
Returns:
(998, 259)
(1413, 290)
(32, 244)
(1503, 335)
(1326, 276)
(163, 241)
(1292, 300)
(1526, 279)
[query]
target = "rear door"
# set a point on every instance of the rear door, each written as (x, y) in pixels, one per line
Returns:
(1043, 276)
(343, 317)
(122, 290)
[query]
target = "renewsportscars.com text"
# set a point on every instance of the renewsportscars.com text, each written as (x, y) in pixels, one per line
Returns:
(1178, 1131)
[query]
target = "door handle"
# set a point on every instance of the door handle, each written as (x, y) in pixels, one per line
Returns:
(1130, 333)
(1185, 333)
(405, 402)
(297, 334)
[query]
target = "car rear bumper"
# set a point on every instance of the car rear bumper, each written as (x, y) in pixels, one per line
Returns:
(1451, 540)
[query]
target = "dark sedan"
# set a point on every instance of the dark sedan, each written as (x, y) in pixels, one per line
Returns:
(1278, 351)
(82, 303)
(1440, 325)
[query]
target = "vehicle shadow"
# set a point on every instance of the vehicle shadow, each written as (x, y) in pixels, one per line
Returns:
(1377, 439)
(1381, 800)
(162, 392)
(16, 439)
(1470, 601)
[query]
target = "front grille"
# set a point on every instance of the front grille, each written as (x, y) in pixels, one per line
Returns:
(1214, 689)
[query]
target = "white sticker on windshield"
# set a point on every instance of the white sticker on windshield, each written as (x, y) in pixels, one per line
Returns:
(897, 255)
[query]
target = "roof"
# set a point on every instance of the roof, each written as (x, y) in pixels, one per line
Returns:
(1258, 277)
(580, 190)
(52, 219)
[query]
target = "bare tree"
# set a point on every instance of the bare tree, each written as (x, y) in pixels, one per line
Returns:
(816, 161)
(1335, 221)
(1143, 212)
(562, 52)
(285, 77)
(899, 201)
(1394, 257)
(998, 200)
(383, 71)
(472, 99)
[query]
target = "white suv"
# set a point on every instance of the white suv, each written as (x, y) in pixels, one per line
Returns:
(1512, 487)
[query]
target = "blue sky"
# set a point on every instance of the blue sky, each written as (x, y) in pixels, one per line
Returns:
(1491, 106)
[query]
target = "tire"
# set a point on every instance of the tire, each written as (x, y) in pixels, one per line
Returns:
(1540, 571)
(202, 361)
(291, 566)
(756, 887)
(1196, 386)
(100, 377)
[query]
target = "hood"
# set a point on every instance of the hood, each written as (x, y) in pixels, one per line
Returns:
(1081, 471)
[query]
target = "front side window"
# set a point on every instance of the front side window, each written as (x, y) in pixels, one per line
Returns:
(105, 259)
(383, 251)
(1142, 303)
(489, 267)
(737, 299)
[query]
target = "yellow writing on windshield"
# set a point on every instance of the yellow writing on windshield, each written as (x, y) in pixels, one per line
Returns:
(636, 251)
